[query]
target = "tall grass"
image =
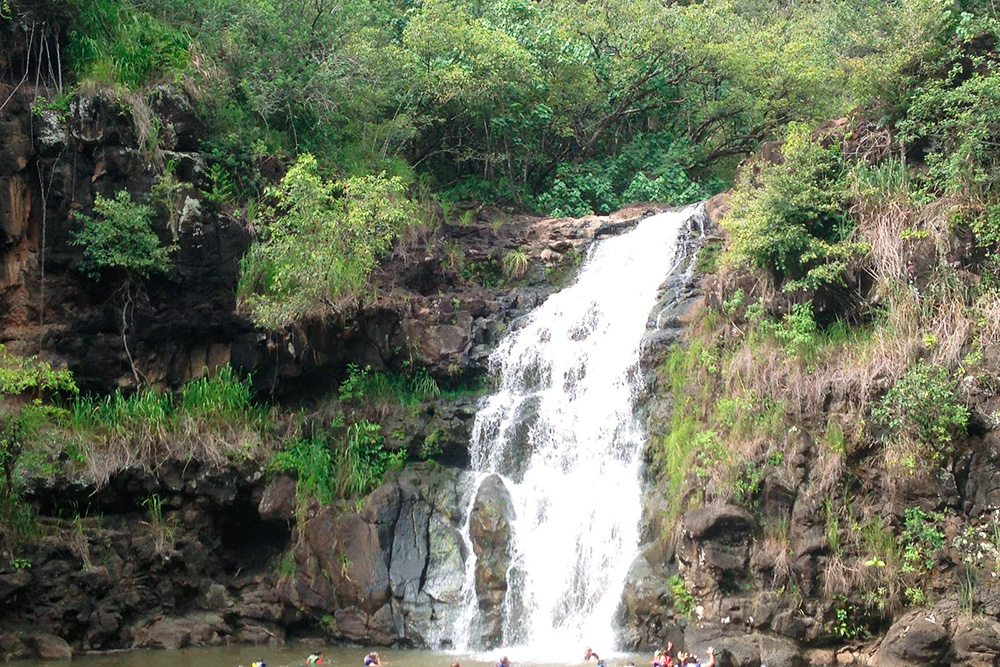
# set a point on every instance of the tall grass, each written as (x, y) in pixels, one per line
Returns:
(214, 418)
(329, 468)
(392, 387)
(117, 43)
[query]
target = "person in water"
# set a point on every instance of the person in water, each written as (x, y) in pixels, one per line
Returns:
(504, 662)
(372, 660)
(664, 657)
(588, 654)
(691, 659)
(316, 658)
(258, 663)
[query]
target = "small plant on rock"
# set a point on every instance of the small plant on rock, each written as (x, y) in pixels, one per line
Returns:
(684, 601)
(515, 264)
(119, 241)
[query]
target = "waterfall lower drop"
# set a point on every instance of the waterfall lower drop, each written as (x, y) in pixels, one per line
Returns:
(562, 432)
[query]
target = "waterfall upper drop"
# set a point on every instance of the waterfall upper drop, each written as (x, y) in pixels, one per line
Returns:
(561, 432)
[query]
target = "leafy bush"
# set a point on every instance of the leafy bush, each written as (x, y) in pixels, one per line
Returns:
(19, 374)
(348, 224)
(121, 238)
(923, 407)
(311, 459)
(790, 218)
(650, 168)
(921, 537)
(952, 107)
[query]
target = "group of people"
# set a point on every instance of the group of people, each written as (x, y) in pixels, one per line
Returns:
(663, 658)
(668, 658)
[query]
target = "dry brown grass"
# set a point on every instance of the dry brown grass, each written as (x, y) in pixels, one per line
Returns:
(151, 449)
(774, 554)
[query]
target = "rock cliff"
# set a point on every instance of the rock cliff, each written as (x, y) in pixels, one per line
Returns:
(201, 554)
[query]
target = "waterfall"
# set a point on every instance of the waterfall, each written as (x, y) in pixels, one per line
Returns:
(562, 432)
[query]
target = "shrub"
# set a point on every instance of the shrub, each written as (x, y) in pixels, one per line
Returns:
(121, 238)
(370, 385)
(515, 263)
(923, 407)
(789, 219)
(19, 375)
(312, 461)
(952, 107)
(348, 224)
(652, 167)
(328, 469)
(921, 538)
(684, 602)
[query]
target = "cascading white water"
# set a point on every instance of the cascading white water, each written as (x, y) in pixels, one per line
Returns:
(561, 430)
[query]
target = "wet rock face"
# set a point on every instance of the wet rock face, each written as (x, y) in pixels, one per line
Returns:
(228, 563)
(716, 545)
(489, 529)
(393, 571)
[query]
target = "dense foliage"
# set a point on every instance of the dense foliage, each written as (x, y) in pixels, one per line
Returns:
(853, 313)
(320, 242)
(120, 238)
(505, 99)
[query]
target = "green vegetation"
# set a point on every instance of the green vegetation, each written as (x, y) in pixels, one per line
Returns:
(923, 410)
(115, 42)
(214, 419)
(559, 105)
(350, 461)
(29, 381)
(683, 602)
(922, 537)
(120, 238)
(367, 384)
(789, 218)
(844, 317)
(348, 225)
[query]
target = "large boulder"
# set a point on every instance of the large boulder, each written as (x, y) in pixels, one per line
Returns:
(976, 642)
(196, 629)
(393, 571)
(982, 486)
(737, 648)
(279, 500)
(50, 647)
(918, 638)
(432, 606)
(490, 531)
(645, 614)
(715, 547)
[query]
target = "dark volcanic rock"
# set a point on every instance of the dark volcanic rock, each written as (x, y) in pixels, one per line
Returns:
(976, 641)
(279, 500)
(915, 639)
(725, 523)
